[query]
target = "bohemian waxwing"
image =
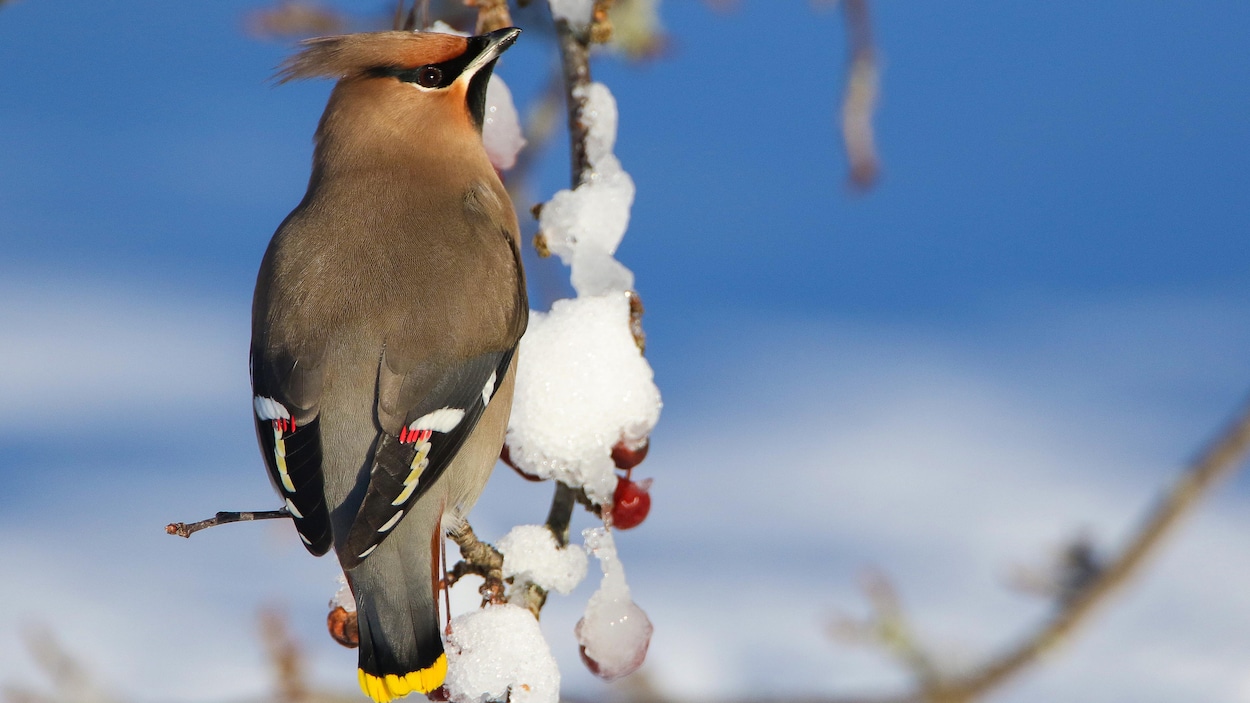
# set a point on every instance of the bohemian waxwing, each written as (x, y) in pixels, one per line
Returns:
(384, 330)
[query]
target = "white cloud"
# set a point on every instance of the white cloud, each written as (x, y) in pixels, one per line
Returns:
(78, 353)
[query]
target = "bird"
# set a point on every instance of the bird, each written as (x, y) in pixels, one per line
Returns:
(387, 313)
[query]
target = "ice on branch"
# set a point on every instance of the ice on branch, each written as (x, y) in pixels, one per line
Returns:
(584, 226)
(575, 12)
(614, 632)
(498, 653)
(582, 386)
(501, 130)
(530, 553)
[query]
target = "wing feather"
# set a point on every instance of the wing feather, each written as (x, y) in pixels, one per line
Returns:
(289, 432)
(408, 462)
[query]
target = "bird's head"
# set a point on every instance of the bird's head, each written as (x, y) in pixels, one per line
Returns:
(415, 79)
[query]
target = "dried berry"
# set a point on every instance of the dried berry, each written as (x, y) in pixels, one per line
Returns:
(343, 627)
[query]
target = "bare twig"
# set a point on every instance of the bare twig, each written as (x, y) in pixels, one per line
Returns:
(478, 557)
(561, 513)
(182, 529)
(575, 62)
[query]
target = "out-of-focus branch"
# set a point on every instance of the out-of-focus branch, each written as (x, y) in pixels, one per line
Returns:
(491, 14)
(889, 628)
(182, 529)
(1219, 459)
(859, 102)
(70, 680)
(285, 658)
(1222, 457)
(290, 19)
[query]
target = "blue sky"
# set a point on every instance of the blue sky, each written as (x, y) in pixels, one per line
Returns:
(1034, 318)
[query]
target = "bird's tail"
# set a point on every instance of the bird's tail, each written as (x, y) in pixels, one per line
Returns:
(401, 647)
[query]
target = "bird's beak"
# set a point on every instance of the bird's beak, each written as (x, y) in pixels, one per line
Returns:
(489, 47)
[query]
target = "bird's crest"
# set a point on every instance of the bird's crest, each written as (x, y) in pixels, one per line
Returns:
(348, 55)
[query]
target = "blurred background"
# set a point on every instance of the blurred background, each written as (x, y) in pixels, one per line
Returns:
(1014, 339)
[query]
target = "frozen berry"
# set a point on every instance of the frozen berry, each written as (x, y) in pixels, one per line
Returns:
(630, 503)
(591, 664)
(627, 457)
(506, 457)
(623, 651)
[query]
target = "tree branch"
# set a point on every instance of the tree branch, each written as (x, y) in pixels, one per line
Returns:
(575, 63)
(478, 557)
(182, 529)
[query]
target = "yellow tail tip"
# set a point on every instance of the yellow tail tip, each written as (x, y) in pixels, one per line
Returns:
(386, 688)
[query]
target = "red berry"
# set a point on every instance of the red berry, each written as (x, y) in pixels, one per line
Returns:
(630, 503)
(627, 457)
(506, 457)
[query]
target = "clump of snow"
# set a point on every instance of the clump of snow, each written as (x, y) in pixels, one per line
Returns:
(530, 553)
(595, 272)
(584, 226)
(582, 386)
(599, 117)
(443, 28)
(498, 653)
(614, 632)
(343, 597)
(501, 128)
(575, 12)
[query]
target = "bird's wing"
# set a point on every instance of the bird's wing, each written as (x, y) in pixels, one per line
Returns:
(286, 392)
(439, 406)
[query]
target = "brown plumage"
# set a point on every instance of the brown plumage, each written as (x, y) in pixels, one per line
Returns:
(348, 55)
(387, 313)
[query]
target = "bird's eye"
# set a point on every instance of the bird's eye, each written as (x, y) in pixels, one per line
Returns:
(429, 77)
